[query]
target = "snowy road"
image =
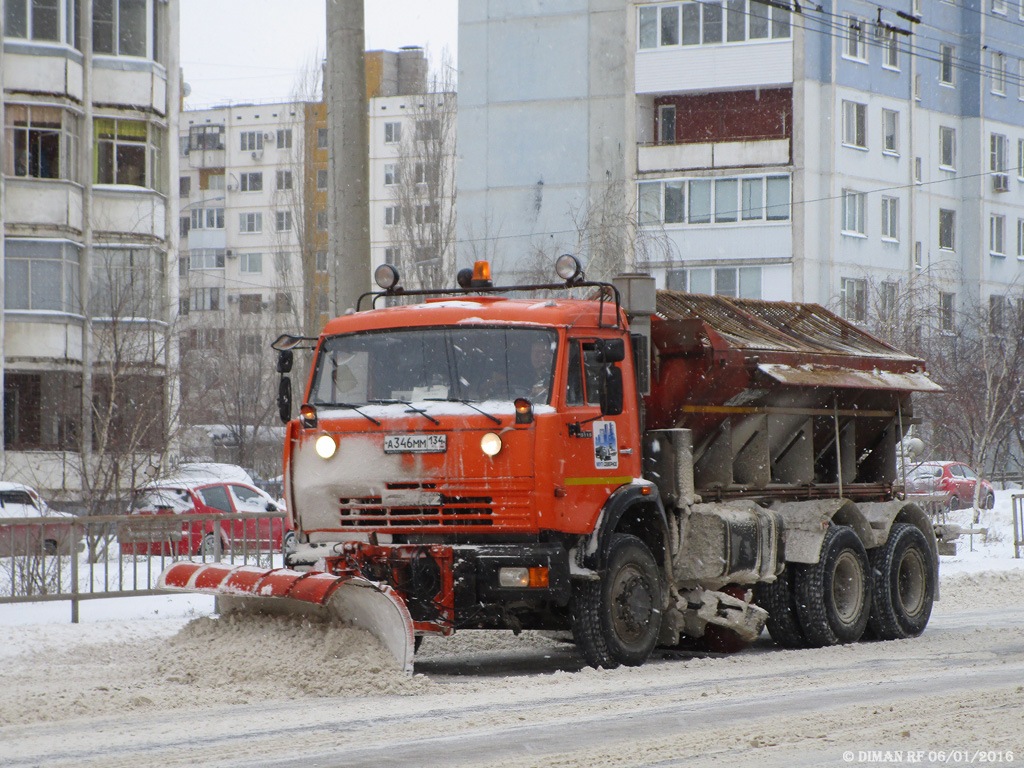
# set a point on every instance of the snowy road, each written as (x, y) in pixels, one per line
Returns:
(489, 699)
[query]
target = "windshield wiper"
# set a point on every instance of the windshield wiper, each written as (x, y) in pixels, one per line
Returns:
(492, 417)
(412, 408)
(351, 407)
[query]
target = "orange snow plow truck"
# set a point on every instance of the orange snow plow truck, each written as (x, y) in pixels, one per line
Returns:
(643, 468)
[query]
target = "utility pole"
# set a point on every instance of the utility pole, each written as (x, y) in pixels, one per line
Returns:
(348, 195)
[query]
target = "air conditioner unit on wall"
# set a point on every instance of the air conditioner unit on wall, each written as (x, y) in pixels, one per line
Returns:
(232, 298)
(230, 254)
(256, 155)
(1001, 182)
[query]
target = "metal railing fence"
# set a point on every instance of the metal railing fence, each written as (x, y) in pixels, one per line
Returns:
(105, 556)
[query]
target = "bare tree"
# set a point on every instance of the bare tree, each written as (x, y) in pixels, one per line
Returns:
(423, 187)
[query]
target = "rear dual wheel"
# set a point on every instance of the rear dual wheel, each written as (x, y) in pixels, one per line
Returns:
(822, 603)
(616, 620)
(904, 584)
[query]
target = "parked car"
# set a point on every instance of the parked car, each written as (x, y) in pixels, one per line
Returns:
(162, 526)
(954, 478)
(23, 502)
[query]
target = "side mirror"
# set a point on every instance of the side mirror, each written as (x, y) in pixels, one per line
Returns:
(285, 358)
(284, 399)
(271, 506)
(611, 390)
(611, 350)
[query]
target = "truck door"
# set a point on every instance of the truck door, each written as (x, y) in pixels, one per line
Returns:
(598, 457)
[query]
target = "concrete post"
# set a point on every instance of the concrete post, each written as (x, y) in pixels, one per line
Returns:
(348, 196)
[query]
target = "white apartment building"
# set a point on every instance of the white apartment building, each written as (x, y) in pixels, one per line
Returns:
(89, 238)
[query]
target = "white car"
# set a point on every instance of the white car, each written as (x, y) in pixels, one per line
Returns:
(23, 502)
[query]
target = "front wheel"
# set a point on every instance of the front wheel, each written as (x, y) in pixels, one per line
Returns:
(616, 620)
(990, 501)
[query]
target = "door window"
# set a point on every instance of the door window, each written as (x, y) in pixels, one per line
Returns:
(216, 497)
(584, 376)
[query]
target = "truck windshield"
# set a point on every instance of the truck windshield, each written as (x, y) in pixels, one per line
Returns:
(474, 364)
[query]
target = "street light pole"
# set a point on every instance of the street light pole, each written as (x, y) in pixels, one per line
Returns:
(348, 195)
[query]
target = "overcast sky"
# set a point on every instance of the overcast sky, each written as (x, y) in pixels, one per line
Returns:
(252, 50)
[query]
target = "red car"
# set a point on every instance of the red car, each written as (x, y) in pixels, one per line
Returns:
(175, 534)
(950, 477)
(22, 502)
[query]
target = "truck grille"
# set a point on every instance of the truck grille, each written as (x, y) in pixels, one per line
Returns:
(415, 505)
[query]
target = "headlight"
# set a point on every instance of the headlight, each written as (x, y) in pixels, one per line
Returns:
(490, 444)
(325, 446)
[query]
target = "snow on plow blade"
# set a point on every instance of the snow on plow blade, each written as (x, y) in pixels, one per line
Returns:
(377, 608)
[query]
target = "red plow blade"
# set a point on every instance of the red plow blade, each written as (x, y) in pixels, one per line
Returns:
(354, 600)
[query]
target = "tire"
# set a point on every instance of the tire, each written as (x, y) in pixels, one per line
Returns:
(833, 595)
(616, 620)
(990, 501)
(778, 599)
(903, 588)
(954, 502)
(49, 547)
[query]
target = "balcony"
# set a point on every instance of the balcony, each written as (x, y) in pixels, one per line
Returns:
(652, 158)
(715, 67)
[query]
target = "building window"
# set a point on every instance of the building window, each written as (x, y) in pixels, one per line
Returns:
(917, 170)
(947, 226)
(1020, 238)
(321, 138)
(999, 6)
(202, 137)
(321, 179)
(284, 221)
(853, 294)
(890, 132)
(250, 344)
(126, 282)
(667, 124)
(891, 50)
(321, 262)
(998, 73)
(184, 226)
(853, 212)
(946, 64)
(750, 199)
(392, 133)
(428, 130)
(251, 141)
(946, 308)
(855, 124)
(887, 309)
(321, 220)
(283, 303)
(426, 213)
(890, 219)
(250, 304)
(184, 186)
(284, 138)
(742, 282)
(1020, 148)
(249, 223)
(204, 299)
(40, 142)
(391, 216)
(997, 153)
(392, 254)
(127, 152)
(250, 263)
(726, 207)
(998, 306)
(284, 180)
(35, 20)
(121, 27)
(390, 174)
(997, 235)
(947, 147)
(251, 182)
(207, 218)
(695, 24)
(856, 39)
(206, 258)
(918, 255)
(41, 275)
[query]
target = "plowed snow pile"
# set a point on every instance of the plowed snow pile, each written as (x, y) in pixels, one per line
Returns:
(234, 660)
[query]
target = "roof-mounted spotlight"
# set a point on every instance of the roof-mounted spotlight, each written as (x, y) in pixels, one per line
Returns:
(568, 268)
(465, 278)
(386, 276)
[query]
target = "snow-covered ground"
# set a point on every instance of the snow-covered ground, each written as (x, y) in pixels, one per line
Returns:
(156, 680)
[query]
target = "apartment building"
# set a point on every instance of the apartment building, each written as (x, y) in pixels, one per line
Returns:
(839, 154)
(88, 236)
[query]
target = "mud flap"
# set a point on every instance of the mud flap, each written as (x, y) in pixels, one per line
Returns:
(353, 600)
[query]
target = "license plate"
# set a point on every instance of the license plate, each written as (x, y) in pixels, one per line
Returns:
(415, 443)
